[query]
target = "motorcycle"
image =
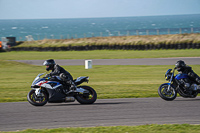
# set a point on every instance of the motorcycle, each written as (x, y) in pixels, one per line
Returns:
(43, 91)
(179, 83)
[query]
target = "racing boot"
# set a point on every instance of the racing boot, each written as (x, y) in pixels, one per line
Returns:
(71, 85)
(65, 88)
(198, 80)
(196, 87)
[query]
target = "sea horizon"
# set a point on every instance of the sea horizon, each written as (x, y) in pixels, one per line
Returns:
(104, 17)
(66, 28)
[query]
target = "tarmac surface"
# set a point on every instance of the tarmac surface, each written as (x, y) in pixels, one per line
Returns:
(104, 112)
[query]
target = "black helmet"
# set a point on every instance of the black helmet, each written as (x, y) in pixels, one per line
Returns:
(49, 63)
(180, 65)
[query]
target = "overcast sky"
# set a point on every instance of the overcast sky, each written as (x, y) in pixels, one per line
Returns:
(43, 9)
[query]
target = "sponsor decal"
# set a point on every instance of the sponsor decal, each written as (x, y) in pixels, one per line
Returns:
(42, 83)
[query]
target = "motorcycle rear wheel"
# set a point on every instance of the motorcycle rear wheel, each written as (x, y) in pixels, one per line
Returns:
(37, 101)
(167, 95)
(87, 98)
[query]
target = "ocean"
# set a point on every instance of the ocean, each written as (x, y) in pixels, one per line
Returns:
(40, 29)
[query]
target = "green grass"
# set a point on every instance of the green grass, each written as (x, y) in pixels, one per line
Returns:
(109, 81)
(99, 54)
(153, 128)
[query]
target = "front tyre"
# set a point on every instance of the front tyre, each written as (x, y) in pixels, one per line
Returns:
(87, 98)
(37, 101)
(166, 94)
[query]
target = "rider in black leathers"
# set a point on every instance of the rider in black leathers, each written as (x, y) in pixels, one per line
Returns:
(181, 67)
(66, 77)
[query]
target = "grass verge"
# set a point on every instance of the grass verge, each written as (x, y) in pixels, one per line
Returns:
(153, 128)
(98, 54)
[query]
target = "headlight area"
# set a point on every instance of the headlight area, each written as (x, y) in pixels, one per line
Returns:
(168, 76)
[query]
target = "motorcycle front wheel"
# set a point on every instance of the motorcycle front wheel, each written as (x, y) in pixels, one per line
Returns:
(37, 101)
(87, 98)
(166, 94)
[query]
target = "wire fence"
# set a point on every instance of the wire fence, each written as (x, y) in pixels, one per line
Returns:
(111, 33)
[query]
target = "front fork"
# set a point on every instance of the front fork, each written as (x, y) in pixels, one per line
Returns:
(169, 87)
(38, 92)
(170, 81)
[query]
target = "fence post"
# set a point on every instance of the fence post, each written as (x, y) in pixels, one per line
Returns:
(118, 33)
(168, 31)
(137, 32)
(147, 32)
(192, 30)
(128, 33)
(157, 32)
(180, 31)
(101, 34)
(61, 36)
(92, 34)
(52, 36)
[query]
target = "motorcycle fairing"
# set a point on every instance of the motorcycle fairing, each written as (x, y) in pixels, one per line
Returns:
(50, 85)
(47, 84)
(181, 76)
(36, 81)
(80, 80)
(81, 90)
(55, 96)
(168, 71)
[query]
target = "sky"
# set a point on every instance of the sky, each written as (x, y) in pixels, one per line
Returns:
(47, 9)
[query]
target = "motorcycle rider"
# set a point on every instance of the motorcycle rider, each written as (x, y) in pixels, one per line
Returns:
(181, 67)
(56, 70)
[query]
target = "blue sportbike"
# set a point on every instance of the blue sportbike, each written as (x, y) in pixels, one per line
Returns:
(179, 83)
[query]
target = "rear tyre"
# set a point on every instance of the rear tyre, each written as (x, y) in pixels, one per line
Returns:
(165, 94)
(37, 101)
(87, 98)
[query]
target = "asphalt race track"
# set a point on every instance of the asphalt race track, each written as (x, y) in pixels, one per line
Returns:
(104, 112)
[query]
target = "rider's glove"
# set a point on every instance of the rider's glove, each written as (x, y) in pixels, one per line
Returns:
(69, 82)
